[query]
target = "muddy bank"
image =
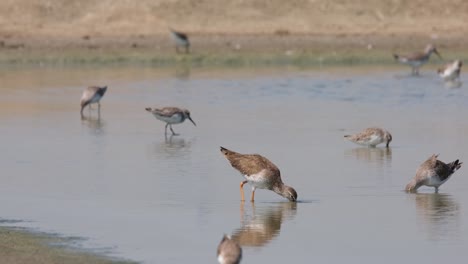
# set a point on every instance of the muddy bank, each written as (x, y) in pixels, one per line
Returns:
(22, 247)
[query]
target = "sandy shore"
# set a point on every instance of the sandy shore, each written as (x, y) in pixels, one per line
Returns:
(129, 29)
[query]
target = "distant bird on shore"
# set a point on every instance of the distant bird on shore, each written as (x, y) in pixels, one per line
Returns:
(260, 173)
(229, 251)
(371, 137)
(181, 40)
(433, 173)
(451, 71)
(171, 115)
(416, 60)
(91, 95)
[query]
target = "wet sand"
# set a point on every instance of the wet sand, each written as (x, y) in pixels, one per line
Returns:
(20, 246)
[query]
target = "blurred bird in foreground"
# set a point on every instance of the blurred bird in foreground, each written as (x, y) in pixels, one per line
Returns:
(229, 252)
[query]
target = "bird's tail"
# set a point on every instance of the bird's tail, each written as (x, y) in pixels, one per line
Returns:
(454, 166)
(149, 109)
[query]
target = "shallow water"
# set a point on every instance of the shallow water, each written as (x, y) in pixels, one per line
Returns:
(133, 193)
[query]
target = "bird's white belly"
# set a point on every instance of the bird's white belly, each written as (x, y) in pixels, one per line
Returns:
(258, 180)
(433, 181)
(373, 140)
(174, 119)
(449, 74)
(95, 99)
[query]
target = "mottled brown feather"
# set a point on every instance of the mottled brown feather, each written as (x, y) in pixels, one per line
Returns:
(249, 164)
(166, 111)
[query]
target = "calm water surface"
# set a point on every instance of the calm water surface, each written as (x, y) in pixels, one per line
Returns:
(133, 193)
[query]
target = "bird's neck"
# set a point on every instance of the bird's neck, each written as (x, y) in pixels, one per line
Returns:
(279, 188)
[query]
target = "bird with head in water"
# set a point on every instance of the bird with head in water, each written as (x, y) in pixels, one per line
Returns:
(371, 137)
(260, 173)
(433, 173)
(91, 95)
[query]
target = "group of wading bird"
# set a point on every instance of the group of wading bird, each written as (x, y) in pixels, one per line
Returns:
(261, 173)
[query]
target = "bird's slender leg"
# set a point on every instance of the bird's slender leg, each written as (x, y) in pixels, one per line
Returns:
(252, 196)
(165, 130)
(173, 133)
(242, 190)
(436, 189)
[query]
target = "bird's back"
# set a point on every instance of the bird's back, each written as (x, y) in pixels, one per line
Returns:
(249, 164)
(368, 136)
(92, 92)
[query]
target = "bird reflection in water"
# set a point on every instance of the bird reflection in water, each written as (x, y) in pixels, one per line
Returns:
(379, 156)
(263, 224)
(172, 146)
(439, 214)
(94, 123)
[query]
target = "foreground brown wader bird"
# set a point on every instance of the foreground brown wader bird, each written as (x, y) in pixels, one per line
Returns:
(260, 173)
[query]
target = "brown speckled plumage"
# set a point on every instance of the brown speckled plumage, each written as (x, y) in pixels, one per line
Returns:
(260, 172)
(432, 172)
(371, 137)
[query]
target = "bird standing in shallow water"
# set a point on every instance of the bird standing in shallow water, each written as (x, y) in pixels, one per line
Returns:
(416, 60)
(171, 115)
(92, 94)
(260, 173)
(432, 172)
(181, 40)
(451, 71)
(371, 137)
(229, 252)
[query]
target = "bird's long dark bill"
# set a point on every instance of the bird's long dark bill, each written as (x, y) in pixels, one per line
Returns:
(192, 121)
(438, 54)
